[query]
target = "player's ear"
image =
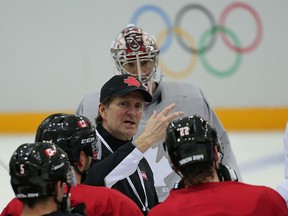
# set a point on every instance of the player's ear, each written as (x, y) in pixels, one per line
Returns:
(59, 189)
(82, 160)
(217, 156)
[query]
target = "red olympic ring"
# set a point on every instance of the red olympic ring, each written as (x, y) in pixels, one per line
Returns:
(258, 38)
(179, 32)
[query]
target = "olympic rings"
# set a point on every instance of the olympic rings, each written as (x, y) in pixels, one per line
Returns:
(179, 32)
(238, 57)
(191, 66)
(179, 16)
(258, 23)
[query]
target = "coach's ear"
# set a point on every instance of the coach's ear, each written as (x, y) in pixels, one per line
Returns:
(102, 111)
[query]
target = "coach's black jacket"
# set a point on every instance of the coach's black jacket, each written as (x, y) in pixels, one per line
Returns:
(113, 169)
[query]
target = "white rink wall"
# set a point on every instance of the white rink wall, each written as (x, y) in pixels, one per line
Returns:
(64, 47)
(259, 155)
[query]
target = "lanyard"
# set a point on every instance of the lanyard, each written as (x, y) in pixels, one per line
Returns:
(144, 207)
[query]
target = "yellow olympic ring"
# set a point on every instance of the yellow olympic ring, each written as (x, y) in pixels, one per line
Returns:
(186, 71)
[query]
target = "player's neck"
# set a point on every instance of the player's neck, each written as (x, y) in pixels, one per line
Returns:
(40, 208)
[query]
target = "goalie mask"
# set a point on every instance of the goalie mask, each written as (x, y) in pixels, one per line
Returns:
(190, 140)
(135, 52)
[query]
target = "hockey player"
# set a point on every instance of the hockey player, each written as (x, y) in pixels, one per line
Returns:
(195, 154)
(75, 135)
(39, 172)
(135, 52)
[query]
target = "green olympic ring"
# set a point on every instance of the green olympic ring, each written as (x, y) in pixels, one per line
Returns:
(205, 63)
(179, 33)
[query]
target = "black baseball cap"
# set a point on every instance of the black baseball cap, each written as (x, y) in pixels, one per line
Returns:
(120, 85)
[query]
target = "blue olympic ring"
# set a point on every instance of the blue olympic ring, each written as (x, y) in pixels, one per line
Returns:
(141, 10)
(174, 28)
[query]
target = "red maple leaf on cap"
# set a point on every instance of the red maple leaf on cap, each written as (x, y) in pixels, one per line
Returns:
(132, 81)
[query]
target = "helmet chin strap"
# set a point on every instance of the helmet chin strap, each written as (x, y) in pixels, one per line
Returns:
(226, 173)
(64, 204)
(150, 86)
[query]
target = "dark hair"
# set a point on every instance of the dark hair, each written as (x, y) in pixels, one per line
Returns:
(197, 173)
(31, 202)
(106, 102)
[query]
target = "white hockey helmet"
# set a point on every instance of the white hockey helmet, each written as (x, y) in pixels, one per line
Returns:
(135, 52)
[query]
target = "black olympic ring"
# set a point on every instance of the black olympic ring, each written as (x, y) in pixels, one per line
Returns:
(178, 19)
(179, 33)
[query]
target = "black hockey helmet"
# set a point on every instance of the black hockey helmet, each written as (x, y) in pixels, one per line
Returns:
(73, 133)
(35, 168)
(189, 140)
